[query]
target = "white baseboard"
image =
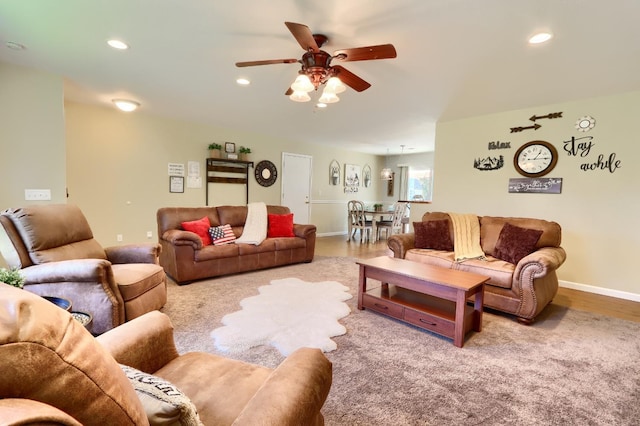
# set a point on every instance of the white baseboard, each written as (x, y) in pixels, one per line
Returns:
(600, 290)
(331, 234)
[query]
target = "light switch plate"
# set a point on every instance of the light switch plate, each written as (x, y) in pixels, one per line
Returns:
(37, 194)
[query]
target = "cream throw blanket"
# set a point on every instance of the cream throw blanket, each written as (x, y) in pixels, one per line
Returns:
(466, 237)
(255, 227)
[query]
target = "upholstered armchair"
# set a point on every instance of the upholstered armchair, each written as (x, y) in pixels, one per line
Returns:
(55, 250)
(55, 372)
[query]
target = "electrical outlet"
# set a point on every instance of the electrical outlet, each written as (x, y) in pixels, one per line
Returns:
(149, 234)
(119, 238)
(37, 194)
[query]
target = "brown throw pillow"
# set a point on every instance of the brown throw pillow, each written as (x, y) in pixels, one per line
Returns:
(433, 234)
(514, 243)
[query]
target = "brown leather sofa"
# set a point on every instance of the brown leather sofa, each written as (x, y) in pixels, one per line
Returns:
(55, 372)
(185, 259)
(54, 248)
(521, 289)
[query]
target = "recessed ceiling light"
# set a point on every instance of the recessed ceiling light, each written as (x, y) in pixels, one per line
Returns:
(126, 105)
(321, 105)
(15, 46)
(117, 44)
(243, 82)
(540, 38)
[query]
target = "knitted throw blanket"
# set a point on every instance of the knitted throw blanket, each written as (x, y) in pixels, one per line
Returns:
(255, 227)
(466, 238)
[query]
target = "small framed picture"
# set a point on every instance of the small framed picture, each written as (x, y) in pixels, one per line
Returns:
(229, 147)
(176, 183)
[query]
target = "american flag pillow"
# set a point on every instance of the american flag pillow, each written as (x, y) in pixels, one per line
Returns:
(222, 234)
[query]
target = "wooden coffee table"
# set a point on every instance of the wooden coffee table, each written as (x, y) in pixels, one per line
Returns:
(427, 296)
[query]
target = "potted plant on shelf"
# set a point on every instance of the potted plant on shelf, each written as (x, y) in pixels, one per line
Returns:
(244, 153)
(12, 277)
(214, 150)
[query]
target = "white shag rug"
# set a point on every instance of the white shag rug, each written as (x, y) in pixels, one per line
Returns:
(287, 314)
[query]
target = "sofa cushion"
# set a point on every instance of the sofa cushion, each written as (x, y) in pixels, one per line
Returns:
(515, 242)
(135, 279)
(163, 402)
(500, 273)
(280, 225)
(199, 227)
(222, 234)
(433, 234)
(441, 258)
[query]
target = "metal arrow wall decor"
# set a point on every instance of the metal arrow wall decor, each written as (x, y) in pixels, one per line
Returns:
(536, 126)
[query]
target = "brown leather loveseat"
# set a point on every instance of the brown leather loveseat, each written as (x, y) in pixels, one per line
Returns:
(520, 287)
(186, 259)
(55, 372)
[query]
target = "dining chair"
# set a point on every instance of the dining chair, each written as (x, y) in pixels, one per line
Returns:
(358, 220)
(395, 225)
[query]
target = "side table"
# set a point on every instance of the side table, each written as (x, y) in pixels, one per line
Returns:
(84, 318)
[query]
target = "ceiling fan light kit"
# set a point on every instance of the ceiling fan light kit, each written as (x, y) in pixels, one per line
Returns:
(299, 96)
(317, 69)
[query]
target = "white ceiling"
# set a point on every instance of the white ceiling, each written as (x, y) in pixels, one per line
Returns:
(456, 59)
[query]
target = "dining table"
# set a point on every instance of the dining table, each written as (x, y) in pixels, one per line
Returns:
(376, 216)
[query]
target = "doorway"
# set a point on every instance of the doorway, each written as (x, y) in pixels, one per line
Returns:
(296, 185)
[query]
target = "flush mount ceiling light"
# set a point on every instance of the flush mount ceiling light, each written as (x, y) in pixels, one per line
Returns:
(117, 44)
(126, 105)
(540, 38)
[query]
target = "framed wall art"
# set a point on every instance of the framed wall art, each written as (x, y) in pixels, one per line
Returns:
(352, 175)
(176, 183)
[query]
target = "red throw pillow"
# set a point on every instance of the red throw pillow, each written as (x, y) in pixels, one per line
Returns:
(514, 243)
(433, 234)
(200, 227)
(280, 225)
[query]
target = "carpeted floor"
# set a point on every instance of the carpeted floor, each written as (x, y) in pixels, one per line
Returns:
(569, 368)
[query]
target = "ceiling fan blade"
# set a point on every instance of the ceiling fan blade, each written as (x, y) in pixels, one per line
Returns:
(382, 51)
(267, 62)
(289, 91)
(303, 34)
(350, 79)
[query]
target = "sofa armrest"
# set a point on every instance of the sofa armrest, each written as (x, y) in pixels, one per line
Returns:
(401, 243)
(178, 237)
(145, 342)
(20, 411)
(134, 253)
(76, 270)
(303, 231)
(294, 392)
(548, 259)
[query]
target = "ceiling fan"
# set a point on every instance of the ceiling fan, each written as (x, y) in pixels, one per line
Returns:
(317, 69)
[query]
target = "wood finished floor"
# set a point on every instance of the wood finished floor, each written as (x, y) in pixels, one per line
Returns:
(580, 300)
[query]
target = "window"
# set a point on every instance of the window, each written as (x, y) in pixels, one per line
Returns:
(420, 184)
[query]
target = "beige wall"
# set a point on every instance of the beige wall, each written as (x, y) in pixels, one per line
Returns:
(598, 210)
(32, 143)
(118, 170)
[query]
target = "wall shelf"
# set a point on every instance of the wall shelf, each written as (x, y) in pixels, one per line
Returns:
(221, 170)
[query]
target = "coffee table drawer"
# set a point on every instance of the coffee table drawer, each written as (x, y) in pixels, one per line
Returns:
(383, 306)
(429, 322)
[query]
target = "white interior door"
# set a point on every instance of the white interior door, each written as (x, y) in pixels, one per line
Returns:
(296, 185)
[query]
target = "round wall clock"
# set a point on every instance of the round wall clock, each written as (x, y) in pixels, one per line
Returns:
(266, 173)
(535, 158)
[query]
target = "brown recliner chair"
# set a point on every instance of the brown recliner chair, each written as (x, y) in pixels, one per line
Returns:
(54, 247)
(54, 372)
